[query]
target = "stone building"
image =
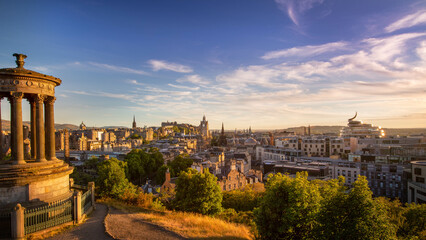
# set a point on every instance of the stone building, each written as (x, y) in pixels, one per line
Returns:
(417, 183)
(232, 180)
(204, 129)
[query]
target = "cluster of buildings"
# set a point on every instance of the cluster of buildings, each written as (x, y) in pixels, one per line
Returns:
(394, 166)
(245, 157)
(361, 149)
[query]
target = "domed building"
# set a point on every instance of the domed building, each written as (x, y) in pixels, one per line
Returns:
(358, 129)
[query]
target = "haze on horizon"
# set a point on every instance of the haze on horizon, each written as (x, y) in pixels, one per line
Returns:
(264, 64)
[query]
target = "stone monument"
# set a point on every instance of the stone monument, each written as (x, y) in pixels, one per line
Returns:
(41, 178)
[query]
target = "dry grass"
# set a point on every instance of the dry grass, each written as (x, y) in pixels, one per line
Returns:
(189, 225)
(50, 232)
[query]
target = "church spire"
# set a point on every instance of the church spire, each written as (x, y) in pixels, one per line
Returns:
(134, 122)
(223, 130)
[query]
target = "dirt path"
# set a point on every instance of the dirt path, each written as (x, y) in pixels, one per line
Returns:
(92, 229)
(129, 226)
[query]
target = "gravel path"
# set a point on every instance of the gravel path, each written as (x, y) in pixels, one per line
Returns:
(129, 226)
(92, 229)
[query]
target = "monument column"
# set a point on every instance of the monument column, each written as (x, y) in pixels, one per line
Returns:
(50, 128)
(33, 128)
(40, 157)
(17, 128)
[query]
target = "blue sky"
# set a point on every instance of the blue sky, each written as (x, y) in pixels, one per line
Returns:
(259, 63)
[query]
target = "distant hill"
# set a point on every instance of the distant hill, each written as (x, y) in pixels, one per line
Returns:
(404, 131)
(5, 124)
(106, 127)
(315, 129)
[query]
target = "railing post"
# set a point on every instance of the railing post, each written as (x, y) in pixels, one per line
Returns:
(17, 222)
(91, 187)
(77, 207)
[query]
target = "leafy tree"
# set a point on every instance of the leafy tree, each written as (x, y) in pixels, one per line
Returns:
(414, 226)
(180, 163)
(135, 136)
(143, 165)
(198, 192)
(112, 179)
(176, 129)
(289, 208)
(91, 163)
(80, 177)
(242, 200)
(355, 215)
(161, 174)
(136, 170)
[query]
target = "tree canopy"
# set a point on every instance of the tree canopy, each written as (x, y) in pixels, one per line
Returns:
(180, 163)
(112, 179)
(142, 165)
(289, 208)
(198, 192)
(295, 208)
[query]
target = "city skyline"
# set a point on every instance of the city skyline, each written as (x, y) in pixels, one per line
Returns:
(264, 64)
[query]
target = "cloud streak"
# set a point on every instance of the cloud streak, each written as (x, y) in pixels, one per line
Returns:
(294, 8)
(306, 51)
(158, 65)
(118, 68)
(411, 20)
(194, 79)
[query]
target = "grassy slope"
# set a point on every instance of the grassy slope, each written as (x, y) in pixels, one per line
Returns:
(189, 225)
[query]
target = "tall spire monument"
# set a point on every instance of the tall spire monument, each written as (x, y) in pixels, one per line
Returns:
(134, 122)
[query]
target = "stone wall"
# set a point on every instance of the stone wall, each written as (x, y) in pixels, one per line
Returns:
(49, 189)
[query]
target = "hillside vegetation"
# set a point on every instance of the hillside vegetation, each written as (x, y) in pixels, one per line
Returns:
(186, 224)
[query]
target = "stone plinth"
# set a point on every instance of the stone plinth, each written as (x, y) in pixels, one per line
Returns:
(34, 183)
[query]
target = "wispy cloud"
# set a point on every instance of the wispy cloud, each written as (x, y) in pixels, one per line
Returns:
(294, 8)
(386, 49)
(195, 79)
(163, 65)
(184, 87)
(135, 82)
(118, 68)
(411, 20)
(306, 51)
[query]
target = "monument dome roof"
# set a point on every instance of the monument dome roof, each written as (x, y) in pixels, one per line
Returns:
(20, 71)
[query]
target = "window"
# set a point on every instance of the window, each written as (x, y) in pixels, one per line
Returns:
(420, 180)
(418, 171)
(392, 168)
